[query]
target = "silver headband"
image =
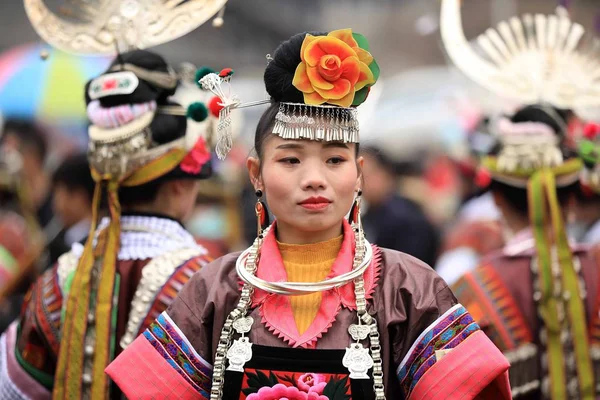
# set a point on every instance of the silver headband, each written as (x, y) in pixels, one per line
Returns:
(322, 122)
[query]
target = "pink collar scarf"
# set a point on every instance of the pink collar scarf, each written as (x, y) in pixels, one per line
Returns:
(276, 310)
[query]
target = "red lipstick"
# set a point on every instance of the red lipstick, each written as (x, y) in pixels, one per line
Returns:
(315, 203)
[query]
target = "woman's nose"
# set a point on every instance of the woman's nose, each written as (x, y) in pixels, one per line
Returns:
(314, 178)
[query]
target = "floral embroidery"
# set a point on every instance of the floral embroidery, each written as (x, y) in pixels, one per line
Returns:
(447, 332)
(335, 69)
(263, 385)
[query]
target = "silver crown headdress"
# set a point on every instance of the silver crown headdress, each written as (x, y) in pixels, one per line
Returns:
(292, 121)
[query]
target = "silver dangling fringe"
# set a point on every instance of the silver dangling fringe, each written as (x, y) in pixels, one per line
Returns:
(323, 122)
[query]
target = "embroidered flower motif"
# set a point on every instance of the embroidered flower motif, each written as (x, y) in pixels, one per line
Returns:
(282, 392)
(196, 158)
(312, 383)
(335, 69)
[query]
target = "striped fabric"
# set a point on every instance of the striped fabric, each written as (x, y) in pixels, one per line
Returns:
(15, 382)
(162, 364)
(114, 117)
(490, 302)
(474, 370)
(447, 332)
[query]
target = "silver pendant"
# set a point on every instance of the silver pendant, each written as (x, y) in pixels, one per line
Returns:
(239, 354)
(359, 332)
(243, 325)
(358, 361)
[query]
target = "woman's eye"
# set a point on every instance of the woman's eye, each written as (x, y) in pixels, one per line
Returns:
(290, 160)
(335, 160)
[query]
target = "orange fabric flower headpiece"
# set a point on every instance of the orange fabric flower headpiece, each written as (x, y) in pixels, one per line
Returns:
(336, 69)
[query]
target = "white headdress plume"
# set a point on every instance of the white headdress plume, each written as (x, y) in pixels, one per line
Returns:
(532, 59)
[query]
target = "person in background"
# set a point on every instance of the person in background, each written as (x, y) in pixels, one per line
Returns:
(22, 244)
(536, 298)
(72, 195)
(147, 162)
(322, 313)
(587, 206)
(586, 213)
(389, 215)
(477, 229)
(30, 141)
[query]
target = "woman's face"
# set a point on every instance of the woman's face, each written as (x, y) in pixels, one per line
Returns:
(309, 185)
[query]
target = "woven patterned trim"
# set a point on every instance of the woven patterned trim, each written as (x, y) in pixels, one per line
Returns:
(446, 332)
(490, 302)
(149, 299)
(169, 291)
(48, 306)
(8, 389)
(171, 343)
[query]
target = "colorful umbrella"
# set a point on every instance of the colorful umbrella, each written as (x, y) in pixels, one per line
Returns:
(49, 90)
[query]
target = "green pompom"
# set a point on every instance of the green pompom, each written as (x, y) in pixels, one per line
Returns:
(202, 72)
(197, 111)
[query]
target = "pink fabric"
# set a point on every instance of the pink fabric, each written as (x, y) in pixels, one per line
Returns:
(475, 369)
(21, 379)
(142, 373)
(113, 117)
(276, 310)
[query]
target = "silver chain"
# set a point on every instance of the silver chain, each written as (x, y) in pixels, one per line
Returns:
(369, 320)
(241, 310)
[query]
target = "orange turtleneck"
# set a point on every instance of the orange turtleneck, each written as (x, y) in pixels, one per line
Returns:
(308, 263)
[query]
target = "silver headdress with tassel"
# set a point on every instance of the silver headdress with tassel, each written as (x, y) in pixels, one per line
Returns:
(220, 87)
(293, 120)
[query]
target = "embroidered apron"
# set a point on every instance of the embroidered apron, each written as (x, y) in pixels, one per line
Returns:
(295, 374)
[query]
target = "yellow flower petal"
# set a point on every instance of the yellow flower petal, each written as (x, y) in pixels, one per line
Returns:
(313, 99)
(340, 89)
(307, 40)
(345, 35)
(345, 101)
(364, 55)
(301, 80)
(365, 77)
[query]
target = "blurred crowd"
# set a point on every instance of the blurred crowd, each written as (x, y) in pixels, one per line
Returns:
(405, 208)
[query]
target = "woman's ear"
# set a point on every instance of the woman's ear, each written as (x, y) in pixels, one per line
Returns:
(359, 165)
(253, 165)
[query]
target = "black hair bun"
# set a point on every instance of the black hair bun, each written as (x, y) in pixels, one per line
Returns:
(281, 69)
(553, 117)
(146, 91)
(166, 127)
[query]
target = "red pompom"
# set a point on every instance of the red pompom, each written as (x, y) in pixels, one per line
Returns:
(215, 107)
(591, 130)
(225, 72)
(483, 178)
(586, 190)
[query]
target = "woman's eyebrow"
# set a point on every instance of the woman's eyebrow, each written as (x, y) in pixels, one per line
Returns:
(290, 146)
(336, 145)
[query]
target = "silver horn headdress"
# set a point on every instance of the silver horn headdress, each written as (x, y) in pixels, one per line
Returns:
(532, 59)
(102, 24)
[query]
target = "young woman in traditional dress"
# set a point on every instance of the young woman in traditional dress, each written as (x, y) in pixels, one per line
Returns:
(312, 310)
